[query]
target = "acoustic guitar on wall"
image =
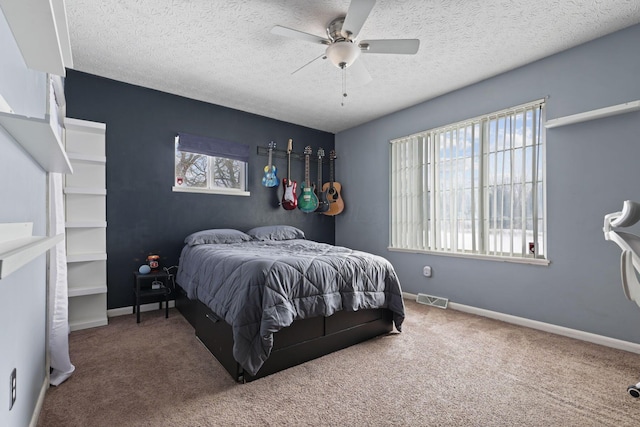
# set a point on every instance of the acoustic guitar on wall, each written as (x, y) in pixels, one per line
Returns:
(270, 178)
(289, 198)
(308, 201)
(323, 201)
(333, 188)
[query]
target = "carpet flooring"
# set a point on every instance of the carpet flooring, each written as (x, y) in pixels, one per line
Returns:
(446, 368)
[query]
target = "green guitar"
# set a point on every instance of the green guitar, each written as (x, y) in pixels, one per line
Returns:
(308, 201)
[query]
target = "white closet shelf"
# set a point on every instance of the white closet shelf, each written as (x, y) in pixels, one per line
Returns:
(85, 190)
(39, 139)
(87, 290)
(88, 256)
(84, 126)
(18, 246)
(88, 158)
(41, 32)
(86, 224)
(600, 113)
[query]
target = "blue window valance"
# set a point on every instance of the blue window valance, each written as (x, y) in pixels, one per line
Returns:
(212, 147)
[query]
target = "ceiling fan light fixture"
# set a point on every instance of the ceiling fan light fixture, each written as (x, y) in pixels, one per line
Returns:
(343, 53)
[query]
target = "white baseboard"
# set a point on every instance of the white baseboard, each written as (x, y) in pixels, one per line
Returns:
(143, 307)
(40, 402)
(547, 327)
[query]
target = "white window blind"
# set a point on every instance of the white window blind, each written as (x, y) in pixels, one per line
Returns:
(473, 187)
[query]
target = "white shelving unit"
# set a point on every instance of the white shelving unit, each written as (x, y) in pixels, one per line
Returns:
(86, 225)
(600, 113)
(18, 246)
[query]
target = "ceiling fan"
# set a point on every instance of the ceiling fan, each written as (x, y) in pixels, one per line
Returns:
(343, 46)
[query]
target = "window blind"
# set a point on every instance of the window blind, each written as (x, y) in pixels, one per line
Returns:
(471, 187)
(213, 147)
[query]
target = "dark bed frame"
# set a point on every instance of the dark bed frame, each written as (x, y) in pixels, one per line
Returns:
(304, 340)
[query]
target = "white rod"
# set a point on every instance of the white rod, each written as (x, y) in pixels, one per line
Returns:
(626, 107)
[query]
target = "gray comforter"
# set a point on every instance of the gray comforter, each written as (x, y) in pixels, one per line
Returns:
(260, 287)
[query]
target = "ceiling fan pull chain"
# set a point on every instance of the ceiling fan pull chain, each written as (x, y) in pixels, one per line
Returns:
(344, 85)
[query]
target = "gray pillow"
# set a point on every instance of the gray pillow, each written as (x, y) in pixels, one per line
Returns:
(216, 235)
(276, 232)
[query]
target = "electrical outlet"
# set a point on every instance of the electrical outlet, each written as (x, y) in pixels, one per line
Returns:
(426, 271)
(12, 388)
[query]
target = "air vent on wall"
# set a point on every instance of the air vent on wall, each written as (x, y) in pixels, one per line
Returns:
(433, 301)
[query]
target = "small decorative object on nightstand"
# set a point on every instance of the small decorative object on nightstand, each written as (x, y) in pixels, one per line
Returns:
(149, 288)
(154, 262)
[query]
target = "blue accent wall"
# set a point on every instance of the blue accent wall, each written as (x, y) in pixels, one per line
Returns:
(144, 215)
(591, 168)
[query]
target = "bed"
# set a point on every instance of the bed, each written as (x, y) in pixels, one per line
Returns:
(269, 299)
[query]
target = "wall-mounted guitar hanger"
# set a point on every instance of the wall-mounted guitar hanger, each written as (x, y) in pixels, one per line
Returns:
(264, 151)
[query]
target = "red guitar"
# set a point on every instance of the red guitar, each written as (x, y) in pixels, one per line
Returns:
(289, 198)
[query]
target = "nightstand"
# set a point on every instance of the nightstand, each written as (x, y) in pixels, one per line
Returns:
(151, 287)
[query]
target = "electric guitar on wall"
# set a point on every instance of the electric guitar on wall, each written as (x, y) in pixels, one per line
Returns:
(270, 179)
(289, 198)
(308, 201)
(332, 188)
(323, 202)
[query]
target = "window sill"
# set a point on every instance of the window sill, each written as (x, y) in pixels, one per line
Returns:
(229, 192)
(532, 261)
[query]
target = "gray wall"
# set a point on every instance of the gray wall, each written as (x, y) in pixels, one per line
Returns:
(22, 199)
(592, 167)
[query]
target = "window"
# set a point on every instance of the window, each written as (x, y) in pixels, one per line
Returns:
(210, 165)
(472, 188)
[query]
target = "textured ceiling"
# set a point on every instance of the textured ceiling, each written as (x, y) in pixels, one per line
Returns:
(222, 52)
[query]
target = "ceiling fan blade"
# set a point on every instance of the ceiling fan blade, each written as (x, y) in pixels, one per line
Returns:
(359, 74)
(398, 46)
(299, 35)
(356, 15)
(323, 56)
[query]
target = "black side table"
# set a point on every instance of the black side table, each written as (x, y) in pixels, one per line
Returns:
(148, 288)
